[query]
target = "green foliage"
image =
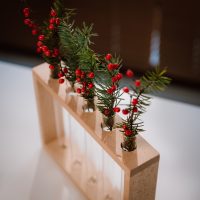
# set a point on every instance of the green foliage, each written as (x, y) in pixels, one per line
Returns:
(75, 47)
(152, 81)
(88, 59)
(104, 83)
(68, 47)
(59, 8)
(84, 36)
(51, 36)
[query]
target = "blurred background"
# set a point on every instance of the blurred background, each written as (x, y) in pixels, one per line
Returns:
(145, 33)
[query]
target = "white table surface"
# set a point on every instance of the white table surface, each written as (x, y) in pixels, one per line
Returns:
(27, 172)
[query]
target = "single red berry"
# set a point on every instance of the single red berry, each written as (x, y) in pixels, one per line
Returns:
(56, 51)
(119, 76)
(135, 109)
(128, 132)
(78, 72)
(41, 37)
(65, 70)
(57, 21)
(116, 109)
(26, 15)
(110, 67)
(78, 79)
(39, 44)
(129, 73)
(78, 90)
(45, 48)
(126, 89)
(108, 56)
(39, 50)
(137, 83)
(109, 91)
(26, 9)
(106, 112)
(52, 20)
(114, 79)
(60, 74)
(51, 27)
(135, 102)
(91, 75)
(113, 88)
(53, 13)
(26, 12)
(115, 66)
(47, 53)
(125, 111)
(34, 32)
(27, 21)
(51, 67)
(90, 85)
(61, 80)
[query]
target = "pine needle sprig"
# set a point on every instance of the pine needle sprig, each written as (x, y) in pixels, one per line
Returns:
(83, 36)
(68, 47)
(88, 61)
(48, 40)
(107, 89)
(152, 81)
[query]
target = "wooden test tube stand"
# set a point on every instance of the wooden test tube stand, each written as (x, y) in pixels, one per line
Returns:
(140, 167)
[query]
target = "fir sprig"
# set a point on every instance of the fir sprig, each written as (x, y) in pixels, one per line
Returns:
(107, 89)
(84, 35)
(68, 46)
(88, 60)
(48, 40)
(152, 81)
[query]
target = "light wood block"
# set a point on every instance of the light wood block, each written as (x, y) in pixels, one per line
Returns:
(93, 159)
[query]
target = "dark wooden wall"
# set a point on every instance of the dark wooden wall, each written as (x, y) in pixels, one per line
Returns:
(124, 27)
(180, 39)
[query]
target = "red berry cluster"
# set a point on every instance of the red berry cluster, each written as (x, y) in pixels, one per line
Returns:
(51, 55)
(113, 71)
(107, 111)
(54, 21)
(85, 79)
(115, 75)
(111, 66)
(42, 48)
(134, 102)
(129, 73)
(62, 74)
(133, 107)
(127, 131)
(137, 83)
(29, 22)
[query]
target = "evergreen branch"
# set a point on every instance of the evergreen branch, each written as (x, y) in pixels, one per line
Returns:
(152, 81)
